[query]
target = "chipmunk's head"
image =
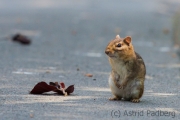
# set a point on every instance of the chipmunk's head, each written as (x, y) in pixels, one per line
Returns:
(120, 48)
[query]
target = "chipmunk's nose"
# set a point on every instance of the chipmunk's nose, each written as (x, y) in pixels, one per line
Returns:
(107, 52)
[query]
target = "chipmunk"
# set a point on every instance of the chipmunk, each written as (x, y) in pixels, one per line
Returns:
(128, 70)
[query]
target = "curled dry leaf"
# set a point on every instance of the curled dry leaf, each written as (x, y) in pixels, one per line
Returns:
(55, 84)
(70, 89)
(43, 87)
(62, 85)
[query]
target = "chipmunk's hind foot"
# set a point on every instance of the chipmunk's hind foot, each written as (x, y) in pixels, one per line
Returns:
(135, 100)
(114, 98)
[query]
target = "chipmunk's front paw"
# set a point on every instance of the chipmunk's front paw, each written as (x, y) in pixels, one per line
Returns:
(121, 86)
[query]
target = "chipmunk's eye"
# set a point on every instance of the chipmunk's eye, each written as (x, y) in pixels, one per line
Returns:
(118, 45)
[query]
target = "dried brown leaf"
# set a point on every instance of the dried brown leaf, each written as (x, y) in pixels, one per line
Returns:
(70, 89)
(42, 87)
(89, 75)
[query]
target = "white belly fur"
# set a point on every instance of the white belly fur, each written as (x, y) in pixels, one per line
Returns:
(114, 89)
(123, 93)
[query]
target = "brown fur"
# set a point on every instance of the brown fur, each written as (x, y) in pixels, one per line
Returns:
(128, 70)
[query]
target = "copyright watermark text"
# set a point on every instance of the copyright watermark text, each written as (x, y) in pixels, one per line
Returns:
(139, 113)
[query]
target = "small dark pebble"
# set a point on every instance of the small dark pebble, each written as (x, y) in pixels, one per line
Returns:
(94, 79)
(21, 38)
(77, 69)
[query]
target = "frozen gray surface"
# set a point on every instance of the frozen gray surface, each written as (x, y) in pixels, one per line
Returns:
(73, 35)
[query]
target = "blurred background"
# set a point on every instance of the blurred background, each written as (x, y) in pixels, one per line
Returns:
(63, 29)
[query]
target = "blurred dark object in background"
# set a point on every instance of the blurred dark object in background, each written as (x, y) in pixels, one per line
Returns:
(21, 39)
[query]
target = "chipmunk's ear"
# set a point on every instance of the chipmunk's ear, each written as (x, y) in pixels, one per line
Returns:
(127, 40)
(117, 37)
